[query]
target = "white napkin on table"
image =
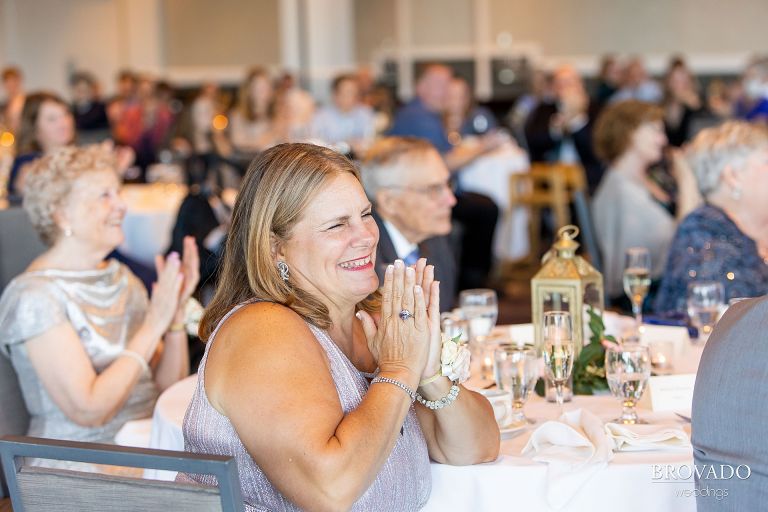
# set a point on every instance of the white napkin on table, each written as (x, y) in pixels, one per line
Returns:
(575, 448)
(635, 438)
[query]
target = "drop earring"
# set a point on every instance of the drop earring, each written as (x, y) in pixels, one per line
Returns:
(736, 193)
(67, 231)
(282, 267)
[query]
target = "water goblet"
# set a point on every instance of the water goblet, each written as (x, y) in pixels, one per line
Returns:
(480, 309)
(627, 369)
(705, 299)
(516, 370)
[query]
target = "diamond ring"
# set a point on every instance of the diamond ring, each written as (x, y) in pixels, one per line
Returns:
(405, 314)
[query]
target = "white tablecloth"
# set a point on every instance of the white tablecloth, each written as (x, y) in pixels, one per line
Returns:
(489, 175)
(512, 481)
(149, 219)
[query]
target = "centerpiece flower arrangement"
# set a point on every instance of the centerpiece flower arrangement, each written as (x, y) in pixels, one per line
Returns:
(589, 367)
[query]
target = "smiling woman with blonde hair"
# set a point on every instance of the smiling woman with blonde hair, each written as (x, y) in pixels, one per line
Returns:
(310, 377)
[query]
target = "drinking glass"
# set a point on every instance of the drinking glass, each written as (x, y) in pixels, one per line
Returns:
(627, 368)
(480, 309)
(705, 298)
(516, 371)
(558, 350)
(637, 279)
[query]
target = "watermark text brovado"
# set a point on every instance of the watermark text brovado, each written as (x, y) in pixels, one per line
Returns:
(712, 478)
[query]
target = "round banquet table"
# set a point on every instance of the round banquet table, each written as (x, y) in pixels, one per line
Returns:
(149, 218)
(512, 481)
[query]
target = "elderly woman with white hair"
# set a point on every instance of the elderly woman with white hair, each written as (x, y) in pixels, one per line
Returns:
(91, 350)
(726, 239)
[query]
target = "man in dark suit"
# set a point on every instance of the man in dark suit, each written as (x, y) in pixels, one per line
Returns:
(561, 130)
(412, 209)
(730, 412)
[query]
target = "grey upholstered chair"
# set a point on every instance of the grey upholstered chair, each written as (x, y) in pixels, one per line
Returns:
(19, 244)
(37, 489)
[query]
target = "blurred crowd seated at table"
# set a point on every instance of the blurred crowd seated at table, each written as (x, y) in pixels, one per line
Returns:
(689, 206)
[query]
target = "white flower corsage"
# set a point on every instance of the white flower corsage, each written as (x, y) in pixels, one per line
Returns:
(454, 359)
(193, 313)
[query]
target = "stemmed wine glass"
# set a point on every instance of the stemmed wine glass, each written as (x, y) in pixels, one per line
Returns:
(480, 308)
(705, 298)
(637, 279)
(627, 368)
(558, 350)
(516, 370)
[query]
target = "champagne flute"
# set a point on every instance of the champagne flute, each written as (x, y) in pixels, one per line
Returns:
(705, 298)
(480, 309)
(516, 370)
(637, 279)
(627, 368)
(558, 350)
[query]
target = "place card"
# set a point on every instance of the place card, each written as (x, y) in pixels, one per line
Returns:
(677, 335)
(669, 392)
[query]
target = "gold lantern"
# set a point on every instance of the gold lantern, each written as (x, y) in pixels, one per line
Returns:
(565, 282)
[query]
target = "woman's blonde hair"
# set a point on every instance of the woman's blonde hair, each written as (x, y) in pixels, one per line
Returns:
(278, 187)
(727, 144)
(48, 182)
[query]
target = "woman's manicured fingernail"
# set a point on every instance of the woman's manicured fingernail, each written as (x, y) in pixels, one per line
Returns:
(417, 289)
(390, 269)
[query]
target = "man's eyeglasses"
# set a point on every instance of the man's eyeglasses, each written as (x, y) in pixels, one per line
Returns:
(434, 191)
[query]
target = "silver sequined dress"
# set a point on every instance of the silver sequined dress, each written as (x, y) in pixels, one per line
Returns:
(105, 307)
(403, 483)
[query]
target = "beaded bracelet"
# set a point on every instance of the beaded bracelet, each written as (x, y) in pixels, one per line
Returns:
(397, 383)
(447, 400)
(136, 357)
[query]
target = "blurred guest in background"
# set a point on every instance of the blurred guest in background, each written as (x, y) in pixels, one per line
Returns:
(561, 130)
(609, 80)
(145, 124)
(540, 91)
(251, 127)
(89, 111)
(13, 103)
(463, 117)
(204, 108)
(46, 125)
(412, 209)
(637, 85)
(627, 208)
(205, 214)
(80, 331)
(681, 102)
(478, 214)
(754, 105)
(126, 82)
(346, 123)
(726, 239)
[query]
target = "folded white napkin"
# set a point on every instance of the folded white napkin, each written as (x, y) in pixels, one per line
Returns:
(575, 448)
(635, 438)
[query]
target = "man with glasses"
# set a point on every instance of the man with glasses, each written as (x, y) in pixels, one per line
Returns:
(407, 181)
